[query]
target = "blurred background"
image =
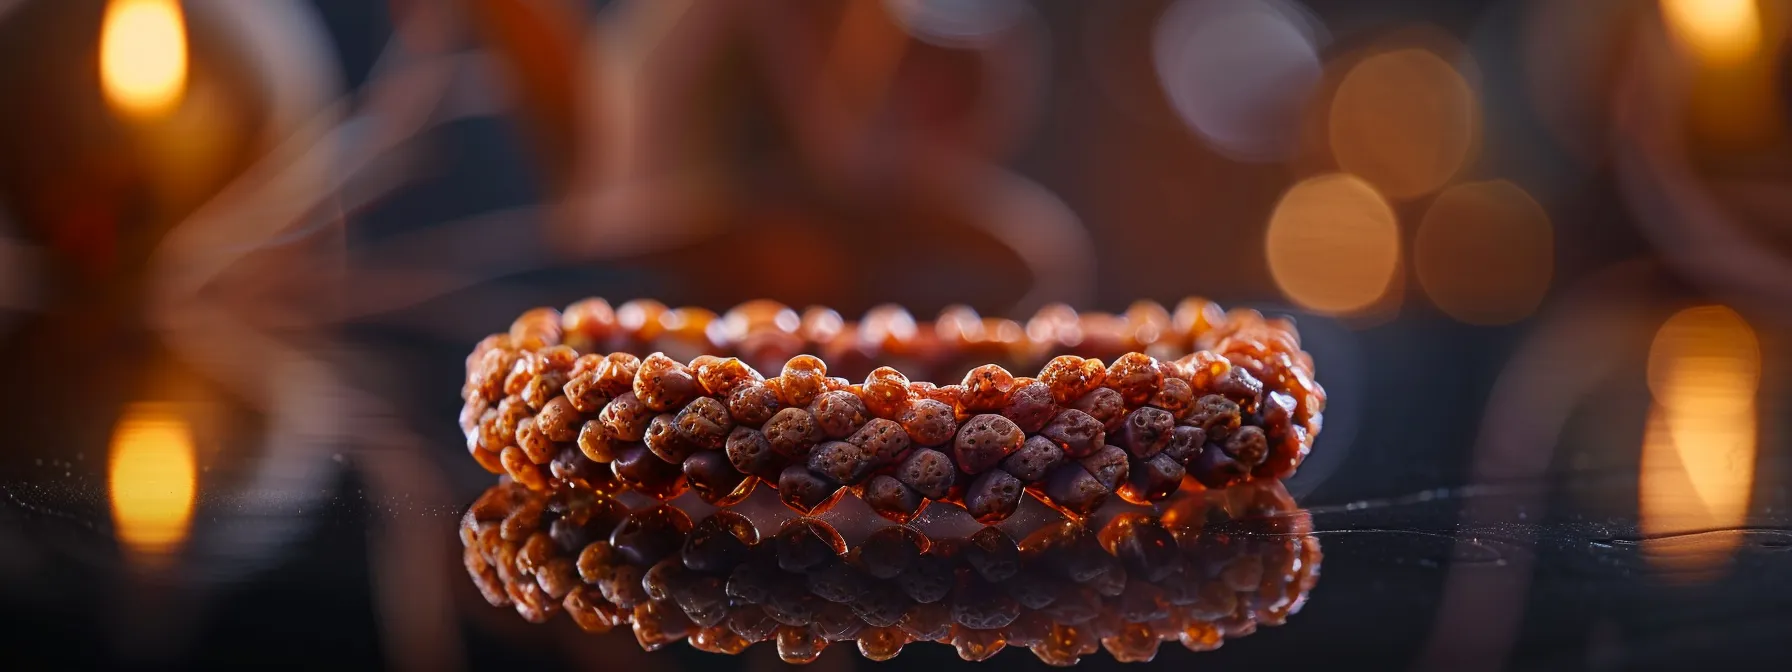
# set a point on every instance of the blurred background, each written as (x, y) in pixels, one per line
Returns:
(1541, 251)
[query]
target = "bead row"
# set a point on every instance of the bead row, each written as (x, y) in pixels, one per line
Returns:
(1062, 591)
(1074, 435)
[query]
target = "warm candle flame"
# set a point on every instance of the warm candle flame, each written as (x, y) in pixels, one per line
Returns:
(1698, 463)
(143, 55)
(152, 478)
(1722, 32)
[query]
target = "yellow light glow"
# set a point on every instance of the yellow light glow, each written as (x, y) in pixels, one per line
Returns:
(1333, 244)
(1722, 32)
(1404, 120)
(1485, 252)
(152, 478)
(143, 56)
(1698, 463)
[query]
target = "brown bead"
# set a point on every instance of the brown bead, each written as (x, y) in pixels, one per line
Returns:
(799, 646)
(1071, 377)
(1103, 404)
(977, 645)
(841, 462)
(588, 609)
(572, 467)
(838, 413)
(1146, 431)
(1108, 466)
(886, 393)
(1136, 376)
(1036, 456)
(520, 467)
(930, 579)
(986, 388)
(792, 431)
(752, 404)
(511, 412)
(658, 624)
(883, 441)
(1076, 433)
(1215, 415)
(993, 496)
(583, 393)
(1248, 445)
(720, 377)
(536, 328)
(662, 437)
(1215, 469)
(489, 460)
(615, 375)
(1176, 396)
(929, 472)
(626, 417)
(981, 606)
(588, 323)
(1153, 479)
(881, 644)
(1185, 443)
(1072, 488)
(751, 623)
(535, 446)
(929, 621)
(804, 490)
(1030, 406)
(595, 442)
(705, 423)
(803, 379)
(719, 639)
(1239, 386)
(493, 369)
(642, 471)
(544, 388)
(518, 378)
(713, 477)
(984, 441)
(929, 422)
(892, 499)
(750, 453)
(558, 420)
(664, 384)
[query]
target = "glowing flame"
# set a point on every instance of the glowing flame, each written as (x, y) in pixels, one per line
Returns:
(1698, 465)
(143, 55)
(152, 478)
(1722, 32)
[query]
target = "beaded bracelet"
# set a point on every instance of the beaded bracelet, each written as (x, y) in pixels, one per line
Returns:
(544, 405)
(1211, 566)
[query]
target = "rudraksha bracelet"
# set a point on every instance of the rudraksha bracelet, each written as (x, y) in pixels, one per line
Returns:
(1193, 395)
(1212, 566)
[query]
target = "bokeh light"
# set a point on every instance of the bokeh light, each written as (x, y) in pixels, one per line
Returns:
(1485, 252)
(1404, 120)
(1698, 461)
(1333, 244)
(143, 55)
(1239, 71)
(1720, 32)
(152, 479)
(956, 23)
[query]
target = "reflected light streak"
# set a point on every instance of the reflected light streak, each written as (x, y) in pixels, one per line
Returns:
(1333, 244)
(1720, 32)
(1698, 460)
(152, 478)
(143, 56)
